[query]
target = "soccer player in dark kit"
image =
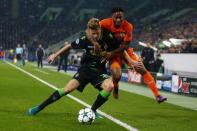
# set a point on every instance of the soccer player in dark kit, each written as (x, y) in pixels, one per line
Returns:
(92, 70)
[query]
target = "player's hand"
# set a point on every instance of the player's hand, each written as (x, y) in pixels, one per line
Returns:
(97, 47)
(106, 56)
(51, 58)
(138, 65)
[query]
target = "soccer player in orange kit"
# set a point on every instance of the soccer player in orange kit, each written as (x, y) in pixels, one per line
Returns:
(122, 30)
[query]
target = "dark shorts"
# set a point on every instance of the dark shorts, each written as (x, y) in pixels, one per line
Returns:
(86, 76)
(18, 57)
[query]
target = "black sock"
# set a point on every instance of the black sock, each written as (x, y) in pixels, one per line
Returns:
(99, 102)
(54, 97)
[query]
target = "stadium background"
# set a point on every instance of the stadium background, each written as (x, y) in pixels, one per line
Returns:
(163, 24)
(170, 26)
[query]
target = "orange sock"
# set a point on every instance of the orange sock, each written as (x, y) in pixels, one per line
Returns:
(150, 82)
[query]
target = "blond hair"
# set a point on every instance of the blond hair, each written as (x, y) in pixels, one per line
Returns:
(93, 24)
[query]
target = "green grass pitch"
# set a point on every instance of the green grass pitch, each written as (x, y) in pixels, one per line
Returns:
(18, 92)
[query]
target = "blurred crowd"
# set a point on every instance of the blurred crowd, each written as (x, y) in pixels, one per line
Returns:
(185, 47)
(29, 22)
(183, 29)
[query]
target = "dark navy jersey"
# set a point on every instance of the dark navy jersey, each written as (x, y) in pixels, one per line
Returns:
(89, 59)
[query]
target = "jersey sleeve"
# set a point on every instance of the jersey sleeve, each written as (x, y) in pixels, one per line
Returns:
(105, 23)
(129, 32)
(79, 43)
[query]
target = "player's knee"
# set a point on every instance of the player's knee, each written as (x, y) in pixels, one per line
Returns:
(72, 85)
(108, 85)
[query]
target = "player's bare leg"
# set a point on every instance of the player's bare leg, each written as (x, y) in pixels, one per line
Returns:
(115, 67)
(147, 77)
(116, 76)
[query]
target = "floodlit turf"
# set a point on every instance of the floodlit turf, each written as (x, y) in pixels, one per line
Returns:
(18, 92)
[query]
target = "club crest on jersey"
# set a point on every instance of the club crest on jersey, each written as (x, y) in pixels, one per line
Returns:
(77, 41)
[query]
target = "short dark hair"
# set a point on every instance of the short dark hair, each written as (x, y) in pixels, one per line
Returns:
(117, 9)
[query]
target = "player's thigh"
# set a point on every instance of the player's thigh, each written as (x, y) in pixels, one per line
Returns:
(97, 80)
(71, 85)
(115, 63)
(115, 66)
(82, 77)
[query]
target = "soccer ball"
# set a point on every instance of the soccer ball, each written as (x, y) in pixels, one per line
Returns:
(86, 116)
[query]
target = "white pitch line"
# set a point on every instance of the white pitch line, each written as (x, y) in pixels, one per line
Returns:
(42, 71)
(115, 120)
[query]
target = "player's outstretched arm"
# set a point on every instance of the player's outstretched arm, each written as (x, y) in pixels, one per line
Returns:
(108, 55)
(124, 46)
(134, 64)
(53, 56)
